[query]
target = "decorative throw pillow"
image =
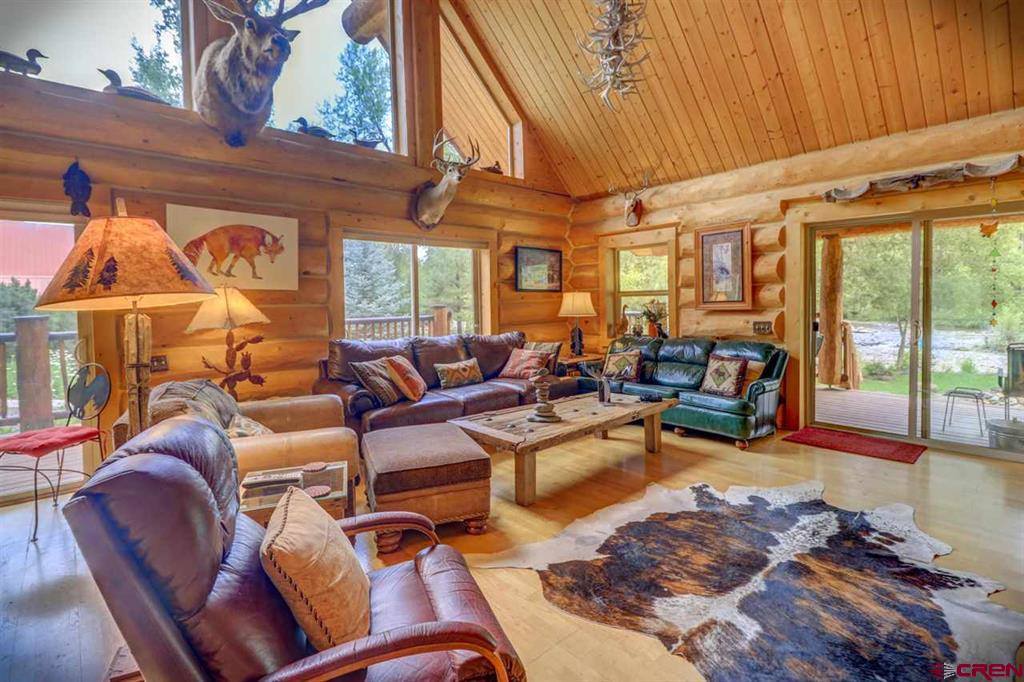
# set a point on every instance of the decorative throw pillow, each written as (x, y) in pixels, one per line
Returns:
(314, 567)
(374, 377)
(622, 366)
(244, 427)
(755, 368)
(405, 377)
(552, 347)
(724, 376)
(523, 364)
(459, 373)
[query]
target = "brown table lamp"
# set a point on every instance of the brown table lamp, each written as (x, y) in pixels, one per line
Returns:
(576, 304)
(229, 311)
(120, 263)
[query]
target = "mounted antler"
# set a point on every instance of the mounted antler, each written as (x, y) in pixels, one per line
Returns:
(236, 75)
(633, 207)
(432, 199)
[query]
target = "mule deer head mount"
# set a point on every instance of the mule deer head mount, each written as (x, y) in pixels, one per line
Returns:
(633, 207)
(234, 88)
(432, 198)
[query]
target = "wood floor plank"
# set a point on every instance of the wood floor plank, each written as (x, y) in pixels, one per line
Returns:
(52, 617)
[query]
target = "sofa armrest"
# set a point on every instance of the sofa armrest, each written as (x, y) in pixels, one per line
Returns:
(301, 413)
(119, 431)
(278, 450)
(389, 521)
(762, 386)
(354, 397)
(407, 640)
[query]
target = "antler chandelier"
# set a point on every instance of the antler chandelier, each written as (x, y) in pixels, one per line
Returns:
(617, 33)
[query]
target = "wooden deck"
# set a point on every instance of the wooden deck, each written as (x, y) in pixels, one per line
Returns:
(18, 482)
(887, 412)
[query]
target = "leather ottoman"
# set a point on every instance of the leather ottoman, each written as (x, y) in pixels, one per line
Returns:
(433, 469)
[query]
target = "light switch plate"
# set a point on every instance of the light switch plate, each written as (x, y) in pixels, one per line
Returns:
(763, 327)
(158, 363)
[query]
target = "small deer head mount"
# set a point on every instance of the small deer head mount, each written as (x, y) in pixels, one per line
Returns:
(431, 199)
(234, 88)
(633, 207)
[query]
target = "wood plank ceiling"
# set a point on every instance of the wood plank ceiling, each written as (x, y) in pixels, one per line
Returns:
(732, 83)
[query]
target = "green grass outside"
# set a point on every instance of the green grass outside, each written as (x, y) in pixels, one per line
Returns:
(941, 382)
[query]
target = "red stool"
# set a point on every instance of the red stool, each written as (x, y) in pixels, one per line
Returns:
(90, 387)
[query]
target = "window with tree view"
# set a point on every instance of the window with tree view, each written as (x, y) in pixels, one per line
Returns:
(336, 81)
(394, 290)
(641, 286)
(140, 40)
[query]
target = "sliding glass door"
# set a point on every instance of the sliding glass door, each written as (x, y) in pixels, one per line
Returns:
(918, 329)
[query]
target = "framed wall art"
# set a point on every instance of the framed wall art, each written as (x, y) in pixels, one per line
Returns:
(723, 275)
(538, 269)
(244, 250)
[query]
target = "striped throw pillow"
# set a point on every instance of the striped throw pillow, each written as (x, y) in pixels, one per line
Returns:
(523, 364)
(552, 347)
(406, 378)
(461, 373)
(373, 375)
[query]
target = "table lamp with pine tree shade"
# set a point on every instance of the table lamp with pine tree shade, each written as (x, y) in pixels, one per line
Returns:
(120, 263)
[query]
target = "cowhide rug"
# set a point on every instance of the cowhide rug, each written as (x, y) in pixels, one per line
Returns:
(773, 583)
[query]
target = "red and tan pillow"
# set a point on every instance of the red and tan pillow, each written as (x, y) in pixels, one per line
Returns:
(523, 364)
(622, 366)
(374, 376)
(552, 347)
(406, 378)
(755, 368)
(724, 376)
(316, 570)
(454, 374)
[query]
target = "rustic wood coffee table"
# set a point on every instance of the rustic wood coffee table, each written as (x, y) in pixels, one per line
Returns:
(581, 415)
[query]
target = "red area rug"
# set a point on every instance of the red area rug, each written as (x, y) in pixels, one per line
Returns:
(869, 446)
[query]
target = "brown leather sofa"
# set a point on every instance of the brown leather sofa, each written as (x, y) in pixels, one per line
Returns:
(306, 428)
(179, 569)
(364, 413)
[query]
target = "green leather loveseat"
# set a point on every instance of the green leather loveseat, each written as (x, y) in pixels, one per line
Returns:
(674, 368)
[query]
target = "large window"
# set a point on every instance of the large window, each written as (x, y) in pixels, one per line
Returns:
(338, 82)
(641, 276)
(394, 290)
(37, 355)
(139, 39)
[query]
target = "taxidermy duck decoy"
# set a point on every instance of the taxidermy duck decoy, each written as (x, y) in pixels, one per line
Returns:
(366, 143)
(496, 168)
(132, 91)
(78, 186)
(315, 131)
(30, 66)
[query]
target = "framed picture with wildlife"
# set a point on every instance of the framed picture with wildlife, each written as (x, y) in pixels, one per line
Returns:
(723, 271)
(243, 250)
(538, 269)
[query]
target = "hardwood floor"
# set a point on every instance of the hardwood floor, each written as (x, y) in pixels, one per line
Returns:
(53, 624)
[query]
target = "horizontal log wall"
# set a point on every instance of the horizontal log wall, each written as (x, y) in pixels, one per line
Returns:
(152, 156)
(774, 198)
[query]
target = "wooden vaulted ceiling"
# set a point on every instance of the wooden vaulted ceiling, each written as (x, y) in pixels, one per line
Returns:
(732, 83)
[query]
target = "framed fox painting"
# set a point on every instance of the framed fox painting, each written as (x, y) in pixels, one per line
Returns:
(244, 250)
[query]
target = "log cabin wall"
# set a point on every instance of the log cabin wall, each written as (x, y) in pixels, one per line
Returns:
(152, 155)
(774, 198)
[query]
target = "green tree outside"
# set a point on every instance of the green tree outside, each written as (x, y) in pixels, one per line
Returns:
(156, 69)
(363, 109)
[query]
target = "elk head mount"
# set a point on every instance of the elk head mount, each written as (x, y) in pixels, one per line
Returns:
(234, 88)
(633, 207)
(432, 198)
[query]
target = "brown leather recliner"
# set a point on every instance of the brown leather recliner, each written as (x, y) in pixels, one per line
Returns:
(179, 569)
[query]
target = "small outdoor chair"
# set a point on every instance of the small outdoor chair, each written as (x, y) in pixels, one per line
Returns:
(1012, 382)
(86, 397)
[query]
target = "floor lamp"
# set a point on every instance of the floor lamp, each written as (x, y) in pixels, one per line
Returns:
(126, 263)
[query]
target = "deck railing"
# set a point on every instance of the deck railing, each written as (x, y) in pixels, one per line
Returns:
(439, 322)
(30, 347)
